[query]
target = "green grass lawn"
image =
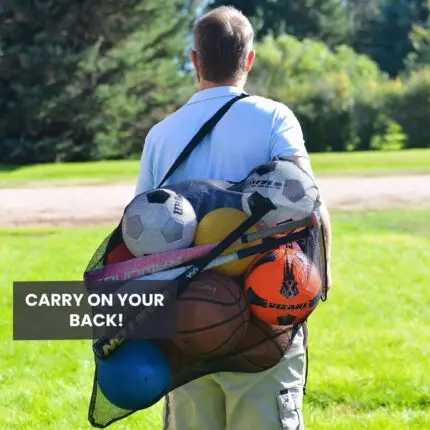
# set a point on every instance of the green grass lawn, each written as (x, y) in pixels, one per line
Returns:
(369, 344)
(357, 163)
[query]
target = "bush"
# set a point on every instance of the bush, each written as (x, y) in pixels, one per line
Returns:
(411, 109)
(339, 97)
(324, 109)
(374, 124)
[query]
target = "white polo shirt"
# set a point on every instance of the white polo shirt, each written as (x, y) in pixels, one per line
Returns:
(252, 132)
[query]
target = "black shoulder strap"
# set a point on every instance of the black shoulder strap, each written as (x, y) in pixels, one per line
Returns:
(207, 127)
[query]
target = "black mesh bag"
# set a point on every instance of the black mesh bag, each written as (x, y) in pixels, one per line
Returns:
(261, 345)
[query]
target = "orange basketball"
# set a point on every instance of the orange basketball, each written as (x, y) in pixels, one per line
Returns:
(282, 286)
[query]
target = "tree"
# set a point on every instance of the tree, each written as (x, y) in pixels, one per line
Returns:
(326, 20)
(363, 16)
(392, 41)
(88, 78)
(420, 38)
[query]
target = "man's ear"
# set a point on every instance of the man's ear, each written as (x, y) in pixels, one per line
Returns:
(250, 60)
(194, 59)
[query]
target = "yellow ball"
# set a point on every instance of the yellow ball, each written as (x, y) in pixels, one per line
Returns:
(214, 227)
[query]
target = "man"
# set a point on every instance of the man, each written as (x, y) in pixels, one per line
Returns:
(254, 131)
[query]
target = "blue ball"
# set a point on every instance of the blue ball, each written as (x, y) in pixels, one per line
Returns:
(135, 375)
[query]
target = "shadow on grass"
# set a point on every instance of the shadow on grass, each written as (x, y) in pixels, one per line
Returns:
(9, 167)
(367, 402)
(23, 232)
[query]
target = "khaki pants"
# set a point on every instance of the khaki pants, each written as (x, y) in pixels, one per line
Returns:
(269, 400)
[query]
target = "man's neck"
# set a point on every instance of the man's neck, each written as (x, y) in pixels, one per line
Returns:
(205, 85)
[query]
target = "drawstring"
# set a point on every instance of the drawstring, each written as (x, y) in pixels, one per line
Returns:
(306, 371)
(306, 343)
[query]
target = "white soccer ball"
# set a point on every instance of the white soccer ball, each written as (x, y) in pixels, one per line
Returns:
(157, 221)
(290, 188)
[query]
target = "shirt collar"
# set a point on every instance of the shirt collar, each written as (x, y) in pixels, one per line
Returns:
(215, 92)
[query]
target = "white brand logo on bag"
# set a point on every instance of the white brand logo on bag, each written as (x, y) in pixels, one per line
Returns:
(193, 273)
(264, 184)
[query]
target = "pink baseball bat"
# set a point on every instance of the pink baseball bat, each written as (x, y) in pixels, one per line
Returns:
(147, 264)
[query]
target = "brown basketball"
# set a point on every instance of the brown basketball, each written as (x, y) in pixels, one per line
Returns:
(178, 359)
(213, 316)
(261, 347)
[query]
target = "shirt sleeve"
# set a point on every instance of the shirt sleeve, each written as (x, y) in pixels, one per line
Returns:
(287, 136)
(145, 179)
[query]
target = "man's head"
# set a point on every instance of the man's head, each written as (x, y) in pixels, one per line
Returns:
(223, 47)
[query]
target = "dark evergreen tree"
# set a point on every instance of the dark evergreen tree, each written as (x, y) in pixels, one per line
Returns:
(86, 79)
(326, 20)
(393, 40)
(391, 43)
(420, 38)
(363, 17)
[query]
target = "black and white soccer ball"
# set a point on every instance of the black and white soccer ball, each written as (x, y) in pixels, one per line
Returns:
(289, 187)
(157, 221)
